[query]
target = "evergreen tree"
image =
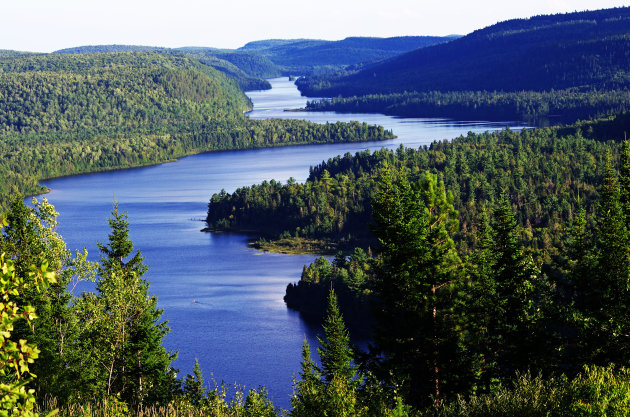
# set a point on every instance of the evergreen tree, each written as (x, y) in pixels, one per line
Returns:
(332, 388)
(193, 388)
(607, 320)
(122, 340)
(308, 396)
(335, 352)
(515, 311)
(336, 356)
(417, 332)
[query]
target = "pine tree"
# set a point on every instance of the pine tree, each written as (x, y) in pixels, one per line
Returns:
(194, 390)
(607, 318)
(417, 330)
(335, 353)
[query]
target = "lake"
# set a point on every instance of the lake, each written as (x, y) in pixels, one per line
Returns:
(222, 299)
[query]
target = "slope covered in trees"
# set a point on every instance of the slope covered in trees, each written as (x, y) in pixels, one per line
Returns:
(575, 50)
(64, 114)
(247, 69)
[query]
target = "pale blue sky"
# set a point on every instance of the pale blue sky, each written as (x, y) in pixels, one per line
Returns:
(47, 25)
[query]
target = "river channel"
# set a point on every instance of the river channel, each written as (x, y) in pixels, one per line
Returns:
(222, 299)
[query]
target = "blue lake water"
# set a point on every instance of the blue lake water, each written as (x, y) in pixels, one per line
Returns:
(222, 299)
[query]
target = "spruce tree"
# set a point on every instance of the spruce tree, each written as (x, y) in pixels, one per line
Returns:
(335, 352)
(607, 317)
(123, 333)
(418, 336)
(308, 396)
(330, 389)
(514, 343)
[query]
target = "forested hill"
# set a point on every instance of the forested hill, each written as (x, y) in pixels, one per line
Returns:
(249, 70)
(64, 114)
(583, 50)
(113, 92)
(304, 56)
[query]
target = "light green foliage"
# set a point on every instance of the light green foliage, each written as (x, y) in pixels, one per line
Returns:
(16, 399)
(64, 114)
(595, 392)
(29, 238)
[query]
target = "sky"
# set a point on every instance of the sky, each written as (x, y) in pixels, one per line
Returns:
(48, 25)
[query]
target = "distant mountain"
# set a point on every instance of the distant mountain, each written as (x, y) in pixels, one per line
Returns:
(576, 50)
(304, 56)
(246, 68)
(251, 63)
(94, 49)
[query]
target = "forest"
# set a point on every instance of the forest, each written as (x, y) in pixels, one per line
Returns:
(490, 272)
(501, 326)
(544, 108)
(587, 50)
(571, 67)
(65, 114)
(510, 247)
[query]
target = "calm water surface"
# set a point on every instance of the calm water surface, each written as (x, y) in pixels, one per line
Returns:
(223, 300)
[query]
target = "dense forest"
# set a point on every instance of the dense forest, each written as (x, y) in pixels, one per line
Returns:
(483, 331)
(490, 272)
(251, 64)
(539, 108)
(570, 67)
(549, 172)
(249, 70)
(587, 49)
(65, 114)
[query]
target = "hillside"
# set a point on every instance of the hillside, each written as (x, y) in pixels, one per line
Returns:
(582, 50)
(65, 114)
(247, 69)
(304, 56)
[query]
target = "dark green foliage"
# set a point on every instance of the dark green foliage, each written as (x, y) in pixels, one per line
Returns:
(541, 108)
(350, 277)
(508, 301)
(335, 353)
(588, 50)
(307, 392)
(600, 268)
(193, 388)
(545, 173)
(307, 56)
(417, 329)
